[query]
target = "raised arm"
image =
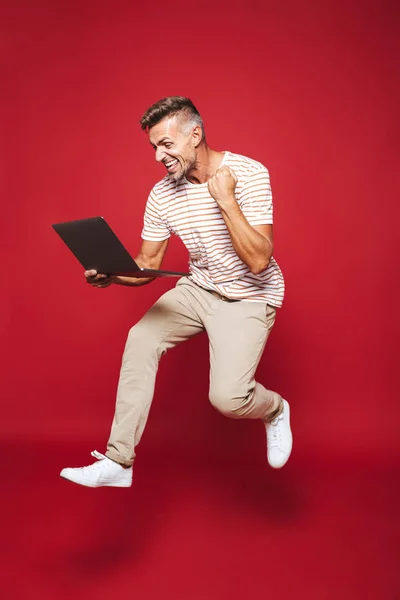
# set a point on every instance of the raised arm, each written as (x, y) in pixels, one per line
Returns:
(250, 228)
(151, 255)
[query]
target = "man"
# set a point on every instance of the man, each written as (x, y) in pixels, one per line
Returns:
(220, 205)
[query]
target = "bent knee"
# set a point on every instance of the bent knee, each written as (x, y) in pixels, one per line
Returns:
(230, 404)
(141, 342)
(137, 337)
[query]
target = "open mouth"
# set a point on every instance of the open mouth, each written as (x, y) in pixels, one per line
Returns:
(171, 164)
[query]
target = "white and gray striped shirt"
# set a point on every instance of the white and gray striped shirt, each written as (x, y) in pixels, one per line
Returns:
(189, 211)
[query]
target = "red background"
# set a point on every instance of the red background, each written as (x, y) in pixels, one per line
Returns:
(311, 90)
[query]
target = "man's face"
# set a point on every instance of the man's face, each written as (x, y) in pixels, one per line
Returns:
(175, 146)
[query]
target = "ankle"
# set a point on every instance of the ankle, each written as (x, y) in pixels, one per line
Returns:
(275, 413)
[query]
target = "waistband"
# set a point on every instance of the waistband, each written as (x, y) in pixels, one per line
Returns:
(220, 296)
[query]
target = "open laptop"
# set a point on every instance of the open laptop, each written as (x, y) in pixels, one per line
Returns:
(96, 246)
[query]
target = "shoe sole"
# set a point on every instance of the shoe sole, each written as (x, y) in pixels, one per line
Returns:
(120, 485)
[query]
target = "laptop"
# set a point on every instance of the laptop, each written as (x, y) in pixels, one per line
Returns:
(96, 246)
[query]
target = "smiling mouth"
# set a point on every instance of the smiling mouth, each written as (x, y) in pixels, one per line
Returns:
(171, 164)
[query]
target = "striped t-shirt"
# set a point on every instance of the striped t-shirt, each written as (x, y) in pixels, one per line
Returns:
(190, 212)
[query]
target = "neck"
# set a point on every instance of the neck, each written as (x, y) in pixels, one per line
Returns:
(207, 163)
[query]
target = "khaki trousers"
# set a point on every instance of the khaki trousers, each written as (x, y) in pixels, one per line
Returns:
(237, 333)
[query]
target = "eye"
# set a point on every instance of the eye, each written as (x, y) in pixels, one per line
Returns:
(168, 145)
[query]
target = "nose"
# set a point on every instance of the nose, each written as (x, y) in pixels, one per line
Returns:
(160, 154)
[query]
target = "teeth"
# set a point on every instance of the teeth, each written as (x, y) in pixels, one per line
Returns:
(170, 164)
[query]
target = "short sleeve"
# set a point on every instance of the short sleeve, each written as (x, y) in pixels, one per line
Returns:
(155, 228)
(255, 199)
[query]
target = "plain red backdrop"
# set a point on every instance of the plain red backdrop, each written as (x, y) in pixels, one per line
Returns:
(308, 88)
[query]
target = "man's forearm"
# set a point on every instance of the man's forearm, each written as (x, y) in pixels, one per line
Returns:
(131, 281)
(145, 262)
(252, 247)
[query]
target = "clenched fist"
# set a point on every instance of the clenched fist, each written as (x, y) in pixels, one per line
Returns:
(222, 185)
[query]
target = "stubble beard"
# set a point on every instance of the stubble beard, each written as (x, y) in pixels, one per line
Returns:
(189, 165)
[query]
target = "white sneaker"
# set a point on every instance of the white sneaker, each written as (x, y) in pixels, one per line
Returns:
(279, 438)
(104, 472)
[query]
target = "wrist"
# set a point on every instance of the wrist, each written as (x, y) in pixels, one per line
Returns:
(229, 205)
(228, 202)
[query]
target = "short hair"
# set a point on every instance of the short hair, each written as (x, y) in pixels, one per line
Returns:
(171, 106)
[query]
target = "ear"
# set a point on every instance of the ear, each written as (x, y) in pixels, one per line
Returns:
(197, 136)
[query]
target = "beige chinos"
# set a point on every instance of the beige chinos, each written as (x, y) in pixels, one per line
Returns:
(237, 332)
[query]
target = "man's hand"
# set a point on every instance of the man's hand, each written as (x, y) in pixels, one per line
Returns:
(97, 279)
(222, 186)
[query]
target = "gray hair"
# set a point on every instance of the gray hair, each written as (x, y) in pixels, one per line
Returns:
(179, 106)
